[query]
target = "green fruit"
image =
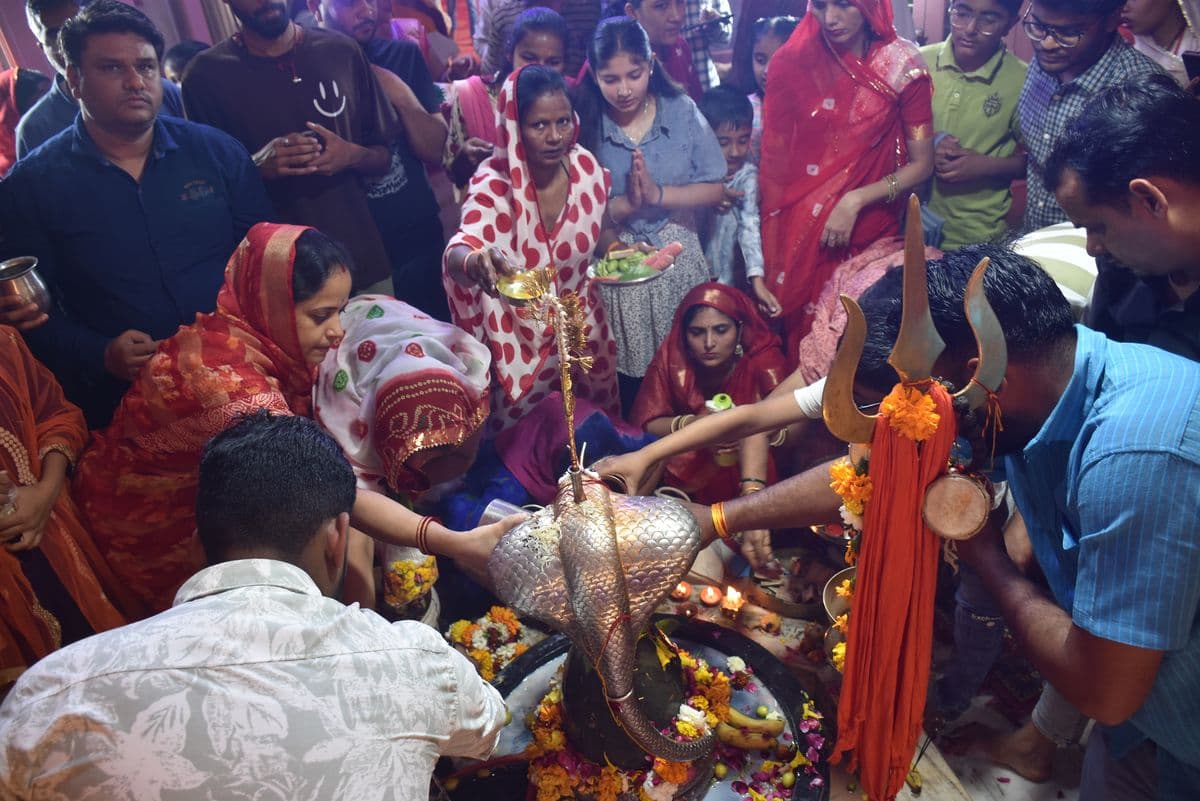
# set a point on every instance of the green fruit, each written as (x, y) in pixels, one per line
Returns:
(720, 770)
(762, 711)
(788, 779)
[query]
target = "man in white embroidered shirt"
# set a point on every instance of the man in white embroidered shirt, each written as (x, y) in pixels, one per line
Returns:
(256, 683)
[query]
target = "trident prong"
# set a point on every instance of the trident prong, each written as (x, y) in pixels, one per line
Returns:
(989, 339)
(918, 343)
(841, 413)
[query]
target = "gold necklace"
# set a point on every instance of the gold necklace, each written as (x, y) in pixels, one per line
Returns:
(638, 127)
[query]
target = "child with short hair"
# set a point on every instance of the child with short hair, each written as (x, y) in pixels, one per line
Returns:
(736, 222)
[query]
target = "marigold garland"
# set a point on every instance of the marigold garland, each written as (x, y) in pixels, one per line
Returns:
(910, 412)
(405, 581)
(493, 641)
(709, 691)
(852, 483)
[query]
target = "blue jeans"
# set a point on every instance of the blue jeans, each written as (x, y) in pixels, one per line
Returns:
(978, 639)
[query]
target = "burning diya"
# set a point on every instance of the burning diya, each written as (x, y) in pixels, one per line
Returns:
(682, 591)
(710, 596)
(732, 603)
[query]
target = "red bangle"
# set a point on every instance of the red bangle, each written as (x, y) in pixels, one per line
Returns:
(423, 534)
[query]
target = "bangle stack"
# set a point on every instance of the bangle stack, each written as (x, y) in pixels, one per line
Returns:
(893, 184)
(718, 519)
(679, 421)
(422, 537)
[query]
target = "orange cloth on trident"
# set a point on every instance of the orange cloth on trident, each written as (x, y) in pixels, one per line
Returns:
(891, 623)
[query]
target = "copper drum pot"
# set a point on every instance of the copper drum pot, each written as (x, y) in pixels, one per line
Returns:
(19, 279)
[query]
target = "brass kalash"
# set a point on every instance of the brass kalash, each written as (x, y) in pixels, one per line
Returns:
(595, 565)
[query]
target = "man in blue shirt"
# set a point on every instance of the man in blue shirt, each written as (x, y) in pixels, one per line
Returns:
(131, 216)
(57, 109)
(1102, 441)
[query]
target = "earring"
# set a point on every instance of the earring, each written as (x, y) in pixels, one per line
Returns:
(738, 352)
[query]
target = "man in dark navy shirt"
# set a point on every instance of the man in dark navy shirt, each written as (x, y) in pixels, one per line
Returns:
(401, 200)
(131, 216)
(57, 109)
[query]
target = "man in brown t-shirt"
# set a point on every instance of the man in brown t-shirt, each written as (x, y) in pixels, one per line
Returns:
(305, 104)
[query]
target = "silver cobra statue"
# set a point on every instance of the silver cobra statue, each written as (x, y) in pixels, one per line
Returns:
(596, 570)
(595, 565)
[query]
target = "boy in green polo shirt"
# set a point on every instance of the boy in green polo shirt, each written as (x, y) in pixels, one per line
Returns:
(976, 83)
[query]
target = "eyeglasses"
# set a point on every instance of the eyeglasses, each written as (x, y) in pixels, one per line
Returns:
(987, 23)
(1038, 31)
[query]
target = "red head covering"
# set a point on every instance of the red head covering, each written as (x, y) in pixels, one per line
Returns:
(502, 211)
(257, 298)
(837, 127)
(670, 385)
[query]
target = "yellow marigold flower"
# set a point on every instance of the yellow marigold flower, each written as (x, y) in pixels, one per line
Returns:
(839, 656)
(845, 589)
(851, 556)
(910, 412)
(841, 623)
(799, 760)
(711, 719)
(852, 487)
(755, 795)
(698, 702)
(809, 711)
(686, 729)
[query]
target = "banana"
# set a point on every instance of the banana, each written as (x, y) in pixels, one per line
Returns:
(770, 726)
(745, 740)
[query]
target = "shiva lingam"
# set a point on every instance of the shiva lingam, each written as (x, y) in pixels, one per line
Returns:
(595, 565)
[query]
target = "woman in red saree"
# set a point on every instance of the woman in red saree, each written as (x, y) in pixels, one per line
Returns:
(849, 133)
(40, 434)
(718, 345)
(537, 203)
(277, 316)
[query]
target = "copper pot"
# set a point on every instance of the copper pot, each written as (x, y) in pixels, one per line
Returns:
(19, 279)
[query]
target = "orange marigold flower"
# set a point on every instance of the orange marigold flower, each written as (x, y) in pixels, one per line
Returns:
(845, 589)
(910, 412)
(610, 784)
(505, 617)
(842, 623)
(853, 487)
(673, 772)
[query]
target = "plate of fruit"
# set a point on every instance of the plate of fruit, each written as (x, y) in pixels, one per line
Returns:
(627, 266)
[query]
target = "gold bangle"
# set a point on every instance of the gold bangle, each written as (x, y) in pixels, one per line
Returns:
(779, 438)
(718, 519)
(752, 488)
(893, 184)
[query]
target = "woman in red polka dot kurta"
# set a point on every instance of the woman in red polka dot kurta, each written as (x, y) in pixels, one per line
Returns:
(536, 203)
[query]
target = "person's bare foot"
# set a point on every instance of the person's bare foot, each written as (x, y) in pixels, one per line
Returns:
(1026, 751)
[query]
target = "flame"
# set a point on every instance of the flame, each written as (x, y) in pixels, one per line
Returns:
(733, 600)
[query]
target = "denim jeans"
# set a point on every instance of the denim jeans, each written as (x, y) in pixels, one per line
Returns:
(978, 639)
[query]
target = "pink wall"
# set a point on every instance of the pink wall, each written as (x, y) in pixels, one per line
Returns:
(177, 19)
